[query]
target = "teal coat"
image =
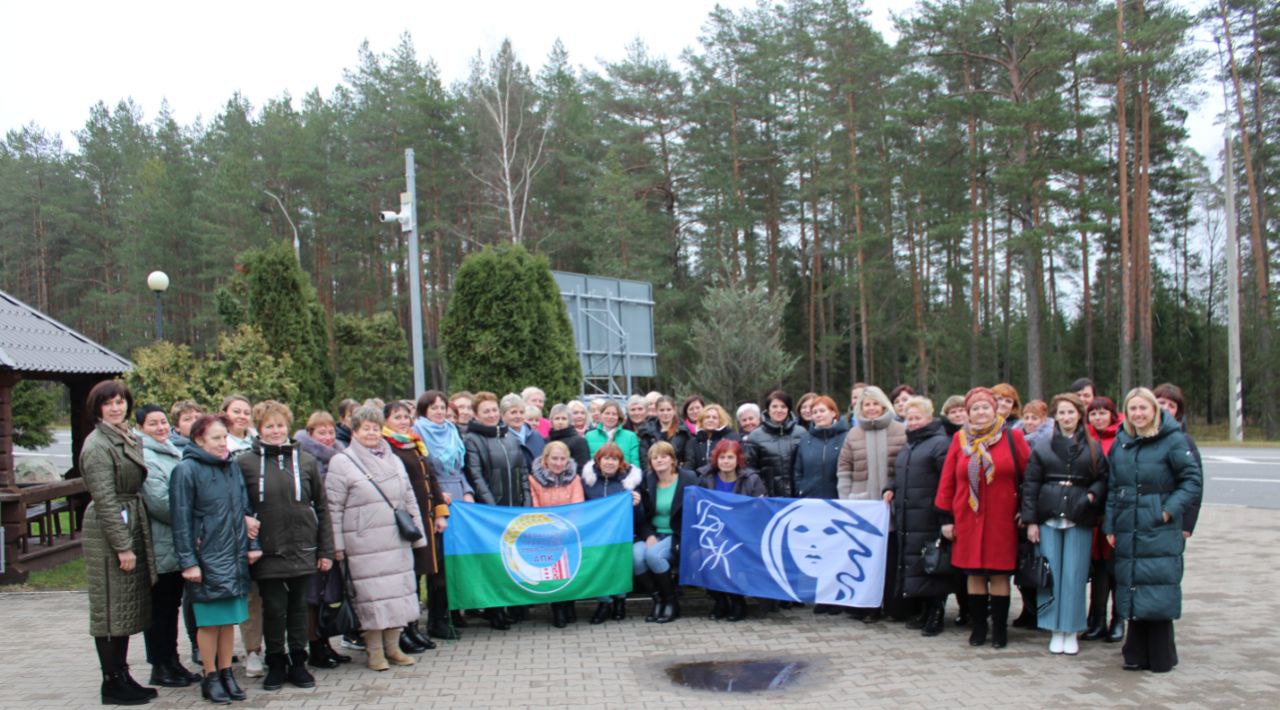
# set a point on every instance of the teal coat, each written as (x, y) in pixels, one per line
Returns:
(161, 459)
(1150, 476)
(208, 502)
(625, 439)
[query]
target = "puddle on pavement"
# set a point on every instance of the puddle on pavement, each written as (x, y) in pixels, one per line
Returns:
(737, 676)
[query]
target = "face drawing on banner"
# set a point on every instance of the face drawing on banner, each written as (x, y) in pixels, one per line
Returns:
(817, 546)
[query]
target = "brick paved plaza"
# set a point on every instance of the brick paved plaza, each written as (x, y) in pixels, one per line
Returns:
(1227, 643)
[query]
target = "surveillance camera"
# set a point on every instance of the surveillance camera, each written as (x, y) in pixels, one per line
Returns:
(389, 216)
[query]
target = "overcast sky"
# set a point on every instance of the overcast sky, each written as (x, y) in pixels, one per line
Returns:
(60, 57)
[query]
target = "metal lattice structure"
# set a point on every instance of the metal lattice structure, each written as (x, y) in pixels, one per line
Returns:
(612, 331)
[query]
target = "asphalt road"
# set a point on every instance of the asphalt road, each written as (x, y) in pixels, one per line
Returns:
(1233, 476)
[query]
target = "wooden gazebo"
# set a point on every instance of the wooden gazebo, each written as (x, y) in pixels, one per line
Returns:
(34, 346)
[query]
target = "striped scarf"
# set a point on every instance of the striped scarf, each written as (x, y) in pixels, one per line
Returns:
(405, 441)
(977, 444)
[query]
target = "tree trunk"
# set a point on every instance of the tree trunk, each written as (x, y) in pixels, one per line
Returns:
(1126, 276)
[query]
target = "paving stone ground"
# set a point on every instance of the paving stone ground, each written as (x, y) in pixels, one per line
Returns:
(1227, 643)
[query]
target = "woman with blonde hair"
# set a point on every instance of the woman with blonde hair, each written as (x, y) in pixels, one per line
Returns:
(713, 427)
(1154, 482)
(554, 481)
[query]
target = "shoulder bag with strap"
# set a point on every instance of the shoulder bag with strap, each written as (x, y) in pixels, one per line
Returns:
(404, 521)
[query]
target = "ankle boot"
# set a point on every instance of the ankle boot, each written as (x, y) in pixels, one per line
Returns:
(668, 609)
(557, 616)
(274, 679)
(497, 620)
(373, 647)
(918, 621)
(420, 640)
(181, 671)
(211, 689)
(318, 656)
(737, 608)
(721, 608)
(149, 693)
(228, 678)
(163, 675)
(978, 619)
(619, 609)
(1000, 621)
(117, 691)
(392, 650)
(333, 654)
(297, 674)
(603, 612)
(1115, 633)
(571, 612)
(935, 617)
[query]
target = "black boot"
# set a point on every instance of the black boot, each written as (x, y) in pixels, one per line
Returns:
(297, 674)
(963, 618)
(176, 667)
(571, 612)
(166, 677)
(919, 620)
(318, 656)
(603, 612)
(211, 689)
(619, 609)
(1115, 633)
(721, 608)
(873, 616)
(978, 619)
(935, 617)
(458, 619)
(419, 638)
(117, 691)
(333, 654)
(409, 645)
(516, 614)
(229, 684)
(737, 608)
(1000, 621)
(438, 617)
(668, 609)
(1027, 619)
(557, 616)
(149, 693)
(497, 620)
(276, 667)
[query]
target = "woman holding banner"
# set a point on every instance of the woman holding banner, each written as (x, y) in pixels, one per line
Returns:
(979, 488)
(658, 529)
(607, 474)
(728, 473)
(555, 481)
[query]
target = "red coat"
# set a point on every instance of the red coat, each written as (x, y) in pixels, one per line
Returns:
(987, 539)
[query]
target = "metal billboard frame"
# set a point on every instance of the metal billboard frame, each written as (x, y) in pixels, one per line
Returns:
(612, 330)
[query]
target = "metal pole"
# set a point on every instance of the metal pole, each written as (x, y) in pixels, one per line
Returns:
(415, 279)
(1236, 387)
(159, 318)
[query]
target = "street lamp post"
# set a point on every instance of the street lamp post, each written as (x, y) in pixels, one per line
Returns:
(158, 282)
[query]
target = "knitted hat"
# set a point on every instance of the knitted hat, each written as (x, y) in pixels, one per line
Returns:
(978, 394)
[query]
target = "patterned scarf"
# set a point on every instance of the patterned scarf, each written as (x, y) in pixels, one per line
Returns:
(405, 441)
(976, 444)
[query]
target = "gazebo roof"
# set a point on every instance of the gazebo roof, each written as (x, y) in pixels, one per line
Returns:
(32, 342)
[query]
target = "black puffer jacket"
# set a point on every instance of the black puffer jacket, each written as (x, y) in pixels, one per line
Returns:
(748, 483)
(208, 505)
(698, 451)
(293, 511)
(914, 481)
(1060, 476)
(649, 433)
(680, 442)
(771, 451)
(495, 466)
(578, 449)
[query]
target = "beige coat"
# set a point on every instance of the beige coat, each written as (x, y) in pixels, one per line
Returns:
(855, 479)
(364, 530)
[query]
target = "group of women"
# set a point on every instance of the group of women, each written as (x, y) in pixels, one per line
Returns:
(227, 518)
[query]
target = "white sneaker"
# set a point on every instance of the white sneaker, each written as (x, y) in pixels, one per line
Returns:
(253, 664)
(1071, 645)
(1056, 642)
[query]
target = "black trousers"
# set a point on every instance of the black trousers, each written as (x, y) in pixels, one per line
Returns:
(1149, 644)
(284, 609)
(113, 653)
(162, 636)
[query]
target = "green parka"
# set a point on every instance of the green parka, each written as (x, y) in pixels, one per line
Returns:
(208, 504)
(292, 509)
(116, 521)
(161, 459)
(1150, 476)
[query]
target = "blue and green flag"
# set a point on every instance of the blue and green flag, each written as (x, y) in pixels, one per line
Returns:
(498, 556)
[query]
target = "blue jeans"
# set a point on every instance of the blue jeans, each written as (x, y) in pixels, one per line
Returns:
(1067, 551)
(656, 559)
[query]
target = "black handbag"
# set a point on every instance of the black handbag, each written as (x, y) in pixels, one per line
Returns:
(335, 616)
(409, 530)
(935, 558)
(1033, 569)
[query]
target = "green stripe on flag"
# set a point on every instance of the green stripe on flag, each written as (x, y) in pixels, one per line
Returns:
(481, 581)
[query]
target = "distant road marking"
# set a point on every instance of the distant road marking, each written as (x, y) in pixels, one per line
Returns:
(43, 456)
(1238, 460)
(1245, 480)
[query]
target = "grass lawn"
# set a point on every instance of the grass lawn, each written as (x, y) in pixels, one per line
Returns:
(1219, 435)
(68, 576)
